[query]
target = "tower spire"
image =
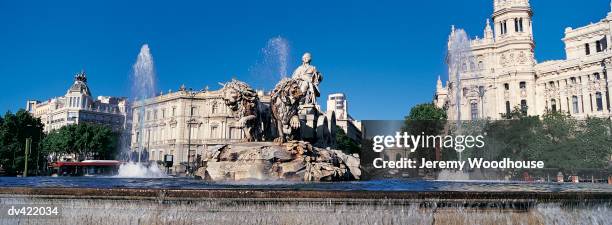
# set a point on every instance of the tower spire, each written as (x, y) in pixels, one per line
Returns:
(488, 31)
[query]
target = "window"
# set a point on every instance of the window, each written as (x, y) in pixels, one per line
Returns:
(215, 108)
(598, 46)
(553, 105)
(193, 111)
(597, 77)
(474, 110)
(523, 85)
(587, 49)
(604, 43)
(524, 107)
(575, 104)
(173, 111)
(506, 86)
(516, 25)
(573, 80)
(504, 27)
(508, 110)
(213, 131)
(155, 114)
(552, 84)
(591, 101)
(599, 101)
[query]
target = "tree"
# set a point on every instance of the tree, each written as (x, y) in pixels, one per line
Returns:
(84, 140)
(557, 138)
(344, 143)
(14, 130)
(425, 119)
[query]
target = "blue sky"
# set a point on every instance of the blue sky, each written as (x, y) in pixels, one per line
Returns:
(385, 55)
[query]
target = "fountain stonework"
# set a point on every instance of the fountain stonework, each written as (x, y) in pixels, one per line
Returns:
(290, 138)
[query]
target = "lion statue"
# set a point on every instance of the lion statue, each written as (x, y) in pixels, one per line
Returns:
(285, 105)
(245, 106)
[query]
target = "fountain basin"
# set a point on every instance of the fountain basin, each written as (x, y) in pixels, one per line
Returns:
(258, 206)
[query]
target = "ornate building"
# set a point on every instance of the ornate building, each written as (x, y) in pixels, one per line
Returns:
(79, 106)
(501, 72)
(185, 121)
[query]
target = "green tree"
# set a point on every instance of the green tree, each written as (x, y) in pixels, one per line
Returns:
(84, 140)
(344, 143)
(556, 138)
(14, 129)
(425, 119)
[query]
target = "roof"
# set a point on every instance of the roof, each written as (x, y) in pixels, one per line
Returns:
(80, 84)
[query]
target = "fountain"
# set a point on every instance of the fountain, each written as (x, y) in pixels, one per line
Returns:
(143, 87)
(459, 56)
(277, 52)
(274, 63)
(459, 53)
(140, 170)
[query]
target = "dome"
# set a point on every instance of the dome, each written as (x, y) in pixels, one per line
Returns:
(80, 84)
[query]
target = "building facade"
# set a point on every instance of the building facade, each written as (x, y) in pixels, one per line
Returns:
(501, 73)
(338, 104)
(183, 124)
(79, 106)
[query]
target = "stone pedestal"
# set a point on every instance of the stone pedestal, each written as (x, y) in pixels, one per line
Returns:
(271, 161)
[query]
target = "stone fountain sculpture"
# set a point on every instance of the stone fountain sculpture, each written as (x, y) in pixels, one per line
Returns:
(302, 149)
(295, 110)
(245, 106)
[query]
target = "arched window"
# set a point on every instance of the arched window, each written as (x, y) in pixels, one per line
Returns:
(553, 105)
(524, 107)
